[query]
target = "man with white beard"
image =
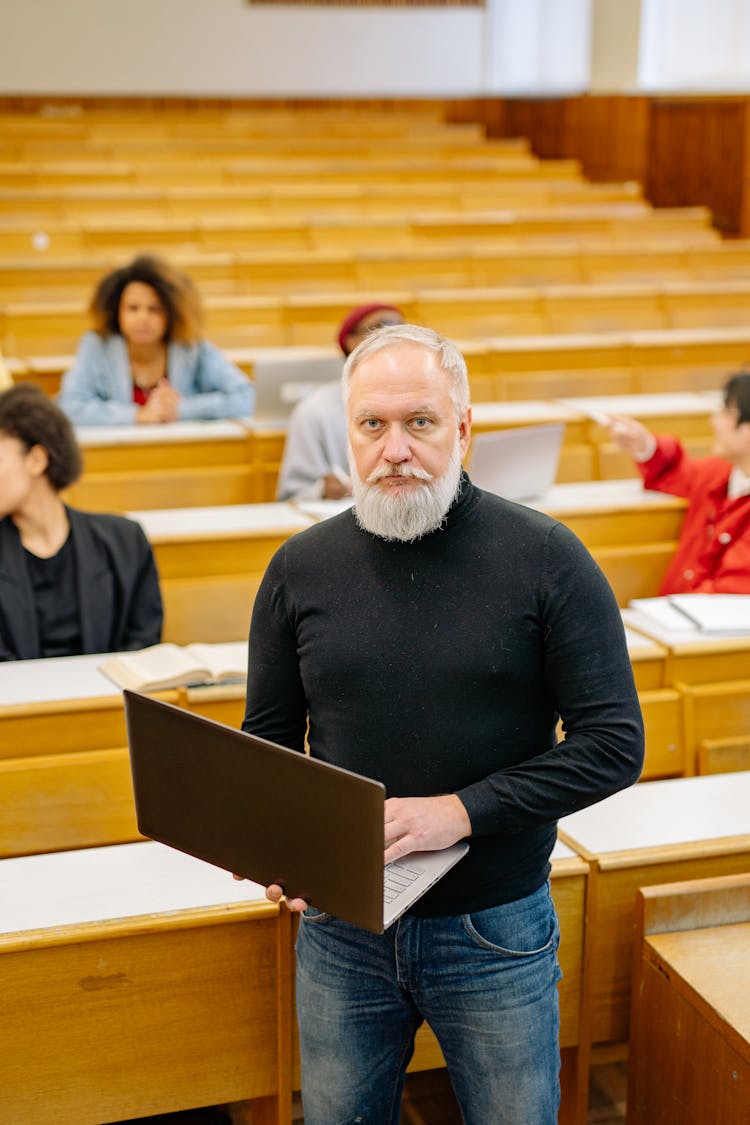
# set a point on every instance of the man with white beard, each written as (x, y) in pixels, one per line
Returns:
(430, 638)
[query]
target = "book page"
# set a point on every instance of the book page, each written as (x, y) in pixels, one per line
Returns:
(226, 661)
(698, 615)
(715, 613)
(163, 665)
(664, 614)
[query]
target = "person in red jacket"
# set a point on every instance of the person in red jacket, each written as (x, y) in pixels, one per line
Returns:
(713, 554)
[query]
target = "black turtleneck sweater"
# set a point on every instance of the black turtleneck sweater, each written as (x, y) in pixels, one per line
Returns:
(442, 666)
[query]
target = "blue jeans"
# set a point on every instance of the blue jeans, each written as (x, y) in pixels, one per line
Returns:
(487, 985)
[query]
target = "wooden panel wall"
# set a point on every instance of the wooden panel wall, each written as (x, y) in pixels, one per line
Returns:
(696, 154)
(685, 151)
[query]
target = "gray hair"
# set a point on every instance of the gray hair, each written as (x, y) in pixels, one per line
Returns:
(449, 357)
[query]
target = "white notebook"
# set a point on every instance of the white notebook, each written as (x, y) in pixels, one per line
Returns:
(706, 614)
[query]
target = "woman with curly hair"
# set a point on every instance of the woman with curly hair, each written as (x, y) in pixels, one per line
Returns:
(145, 361)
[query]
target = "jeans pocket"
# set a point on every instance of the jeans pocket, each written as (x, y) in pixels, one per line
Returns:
(312, 914)
(525, 928)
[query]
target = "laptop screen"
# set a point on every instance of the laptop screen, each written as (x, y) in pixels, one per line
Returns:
(520, 463)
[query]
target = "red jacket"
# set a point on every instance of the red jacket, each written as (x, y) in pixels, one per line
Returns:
(713, 555)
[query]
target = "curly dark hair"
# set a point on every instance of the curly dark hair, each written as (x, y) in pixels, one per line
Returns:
(26, 413)
(737, 394)
(176, 292)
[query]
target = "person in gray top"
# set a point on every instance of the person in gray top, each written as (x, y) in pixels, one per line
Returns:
(314, 465)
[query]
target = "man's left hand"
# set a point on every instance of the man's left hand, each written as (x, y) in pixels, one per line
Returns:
(423, 824)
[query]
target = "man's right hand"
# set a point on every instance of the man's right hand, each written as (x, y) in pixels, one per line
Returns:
(275, 893)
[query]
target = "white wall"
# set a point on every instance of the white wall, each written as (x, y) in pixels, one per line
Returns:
(699, 45)
(229, 48)
(539, 47)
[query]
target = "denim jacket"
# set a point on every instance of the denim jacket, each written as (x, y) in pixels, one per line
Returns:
(98, 388)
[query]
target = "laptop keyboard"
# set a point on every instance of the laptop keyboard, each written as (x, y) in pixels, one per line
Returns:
(398, 876)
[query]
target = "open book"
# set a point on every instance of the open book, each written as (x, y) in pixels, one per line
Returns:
(703, 614)
(168, 665)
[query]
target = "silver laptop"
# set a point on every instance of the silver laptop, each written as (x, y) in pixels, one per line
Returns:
(281, 382)
(271, 814)
(519, 464)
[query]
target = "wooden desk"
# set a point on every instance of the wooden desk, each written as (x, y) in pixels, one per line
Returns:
(608, 513)
(687, 415)
(211, 562)
(174, 446)
(687, 359)
(685, 828)
(648, 659)
(64, 766)
(156, 466)
(137, 981)
(523, 367)
(690, 1052)
(712, 676)
(693, 658)
(661, 706)
(139, 923)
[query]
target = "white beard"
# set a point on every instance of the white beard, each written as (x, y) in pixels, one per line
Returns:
(409, 513)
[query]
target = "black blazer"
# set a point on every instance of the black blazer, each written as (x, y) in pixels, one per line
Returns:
(118, 588)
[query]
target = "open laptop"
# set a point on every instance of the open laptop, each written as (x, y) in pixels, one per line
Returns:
(271, 814)
(519, 464)
(281, 381)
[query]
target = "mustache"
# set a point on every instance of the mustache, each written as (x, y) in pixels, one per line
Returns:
(399, 470)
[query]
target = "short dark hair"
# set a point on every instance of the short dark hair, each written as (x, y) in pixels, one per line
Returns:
(26, 413)
(175, 290)
(737, 394)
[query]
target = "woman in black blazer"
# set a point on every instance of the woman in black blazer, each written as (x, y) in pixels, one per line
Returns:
(71, 582)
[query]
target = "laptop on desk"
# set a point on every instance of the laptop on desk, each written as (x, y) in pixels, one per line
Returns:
(271, 814)
(281, 382)
(519, 464)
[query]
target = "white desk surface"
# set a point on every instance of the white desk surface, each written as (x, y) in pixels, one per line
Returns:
(522, 412)
(644, 405)
(674, 337)
(227, 430)
(281, 354)
(559, 342)
(662, 813)
(24, 682)
(102, 884)
(683, 640)
(602, 496)
(323, 509)
(562, 851)
(637, 642)
(237, 520)
(58, 678)
(121, 881)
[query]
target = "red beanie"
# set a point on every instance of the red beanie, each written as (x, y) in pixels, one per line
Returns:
(352, 319)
